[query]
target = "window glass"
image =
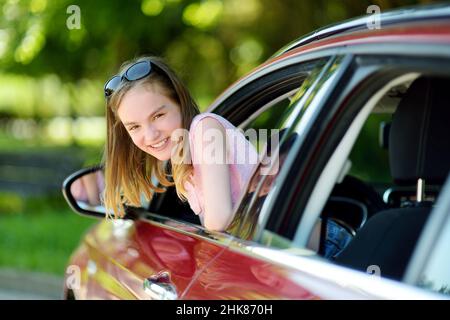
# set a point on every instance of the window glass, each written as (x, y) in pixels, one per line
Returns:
(269, 119)
(277, 119)
(436, 275)
(372, 164)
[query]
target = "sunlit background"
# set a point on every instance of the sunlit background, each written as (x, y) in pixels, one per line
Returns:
(51, 99)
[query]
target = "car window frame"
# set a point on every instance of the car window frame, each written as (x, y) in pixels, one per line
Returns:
(384, 67)
(327, 179)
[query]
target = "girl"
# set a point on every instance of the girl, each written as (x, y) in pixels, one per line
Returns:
(149, 111)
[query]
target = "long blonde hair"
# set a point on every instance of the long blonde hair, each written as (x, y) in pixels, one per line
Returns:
(128, 169)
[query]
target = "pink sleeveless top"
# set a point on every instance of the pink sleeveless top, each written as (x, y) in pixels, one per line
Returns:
(241, 157)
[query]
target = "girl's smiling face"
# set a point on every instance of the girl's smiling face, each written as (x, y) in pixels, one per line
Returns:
(150, 117)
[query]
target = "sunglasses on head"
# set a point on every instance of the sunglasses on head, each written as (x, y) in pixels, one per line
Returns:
(134, 72)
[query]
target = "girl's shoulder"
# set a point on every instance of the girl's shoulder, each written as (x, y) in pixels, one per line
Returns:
(199, 117)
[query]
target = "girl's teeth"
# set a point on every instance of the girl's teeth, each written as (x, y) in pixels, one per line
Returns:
(159, 144)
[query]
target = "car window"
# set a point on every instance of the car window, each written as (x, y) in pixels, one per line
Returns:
(349, 189)
(436, 274)
(268, 119)
(279, 120)
(372, 164)
(430, 265)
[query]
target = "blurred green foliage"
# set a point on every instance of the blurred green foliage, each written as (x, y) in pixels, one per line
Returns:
(56, 55)
(370, 162)
(60, 71)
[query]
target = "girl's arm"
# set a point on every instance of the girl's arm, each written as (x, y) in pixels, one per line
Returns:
(210, 148)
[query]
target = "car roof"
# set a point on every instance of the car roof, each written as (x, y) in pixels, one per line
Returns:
(392, 18)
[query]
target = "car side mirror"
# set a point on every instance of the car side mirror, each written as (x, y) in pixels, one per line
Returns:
(83, 191)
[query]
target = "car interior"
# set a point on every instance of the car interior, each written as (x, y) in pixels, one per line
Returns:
(168, 204)
(419, 161)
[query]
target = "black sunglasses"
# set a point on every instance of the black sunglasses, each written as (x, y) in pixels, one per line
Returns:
(134, 72)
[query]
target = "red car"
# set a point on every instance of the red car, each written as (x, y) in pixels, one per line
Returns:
(323, 92)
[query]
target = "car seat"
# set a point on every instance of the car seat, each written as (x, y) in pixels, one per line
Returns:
(419, 153)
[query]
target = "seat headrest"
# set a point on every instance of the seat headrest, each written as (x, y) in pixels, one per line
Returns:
(419, 139)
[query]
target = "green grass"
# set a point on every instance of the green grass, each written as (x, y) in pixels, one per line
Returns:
(41, 237)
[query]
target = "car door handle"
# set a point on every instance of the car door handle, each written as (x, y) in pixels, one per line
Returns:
(160, 287)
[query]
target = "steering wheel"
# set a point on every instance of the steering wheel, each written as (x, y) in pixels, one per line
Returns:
(356, 197)
(350, 205)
